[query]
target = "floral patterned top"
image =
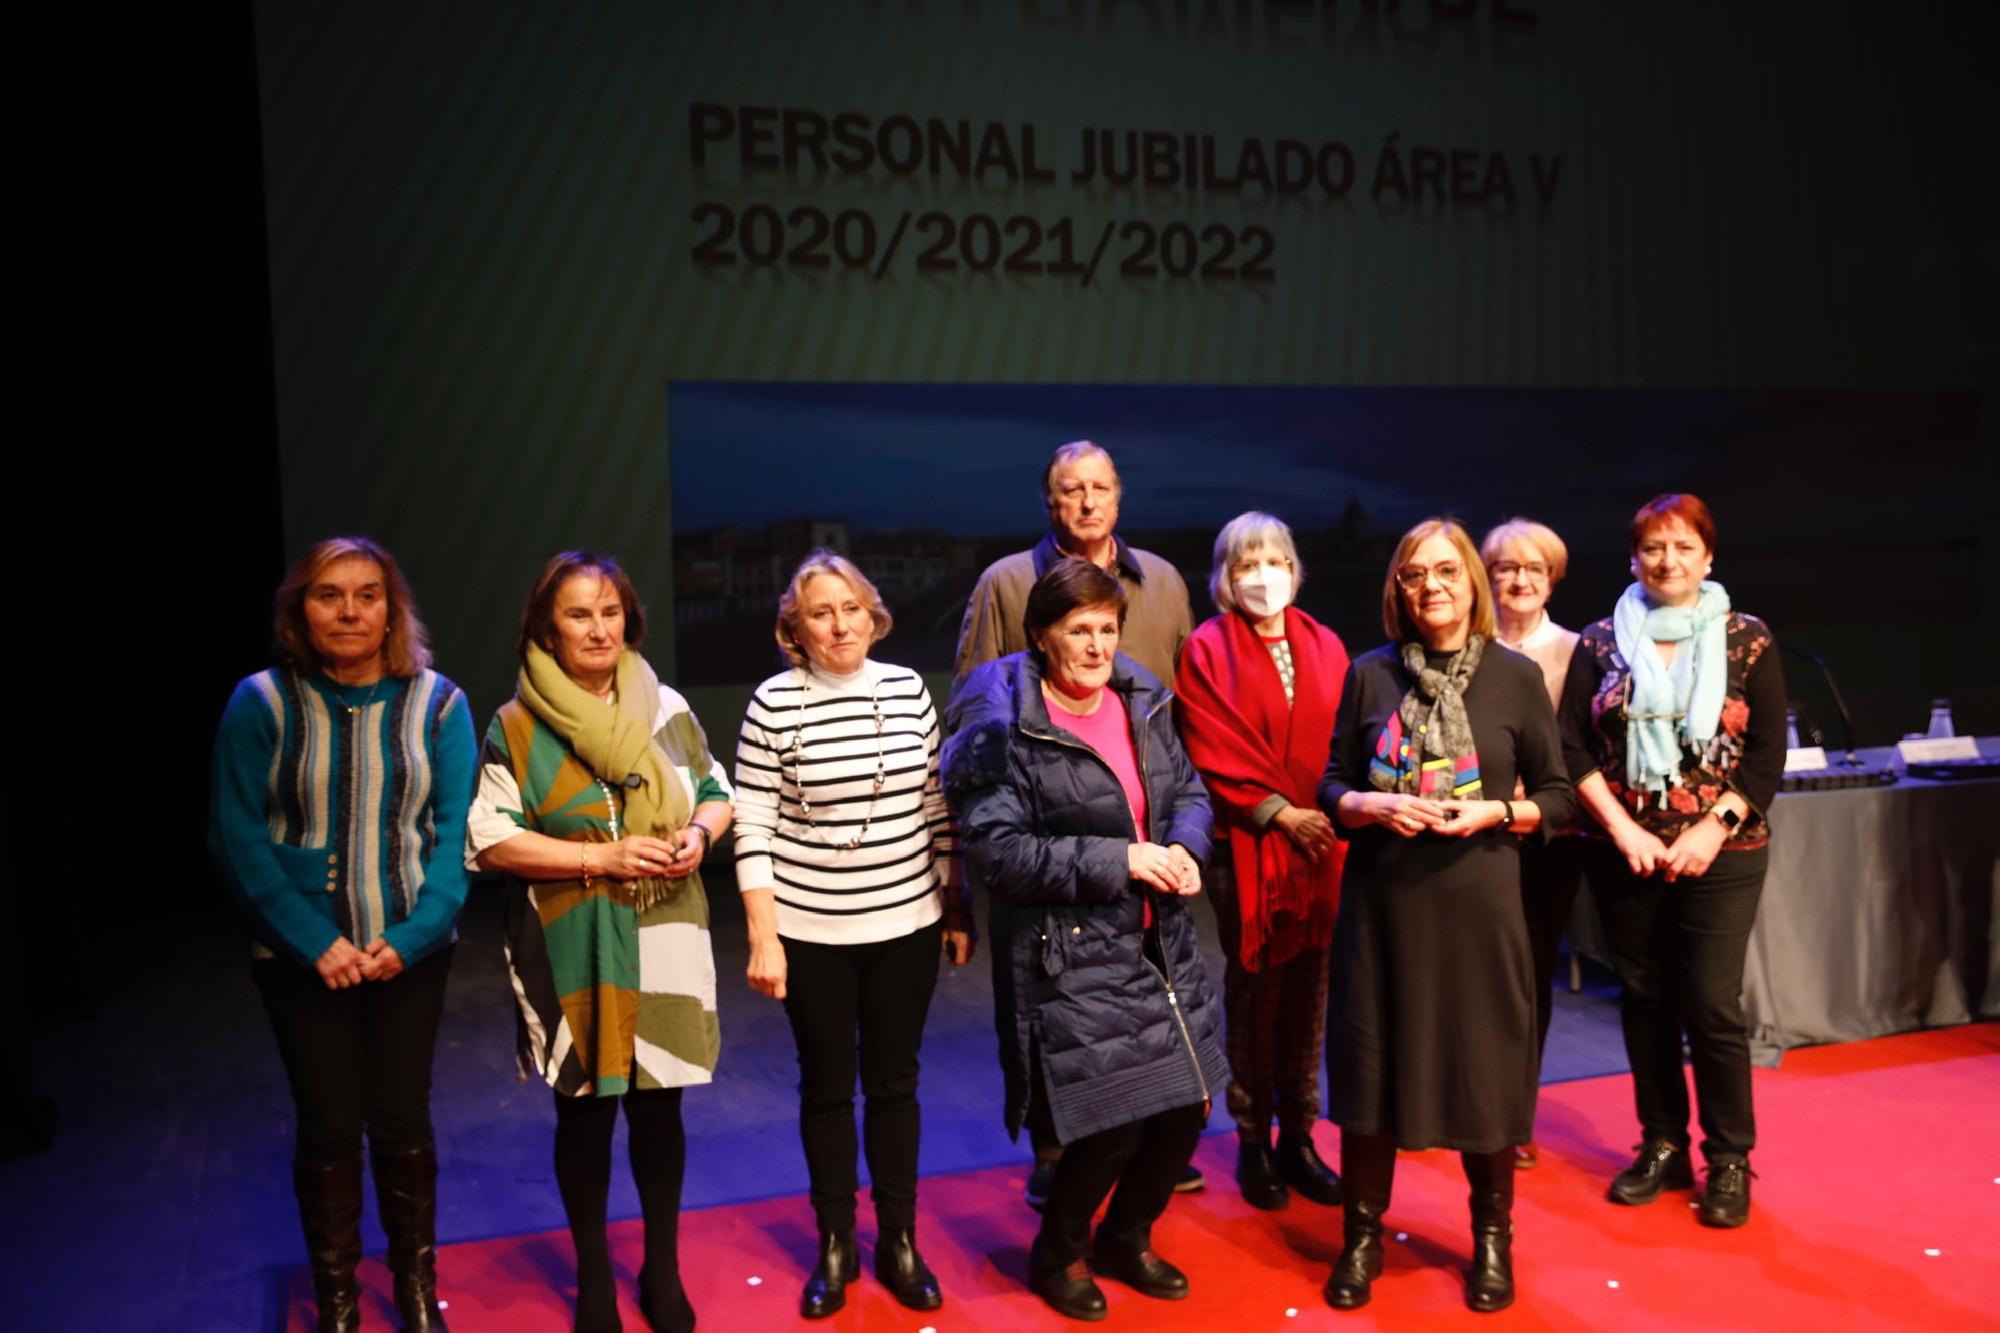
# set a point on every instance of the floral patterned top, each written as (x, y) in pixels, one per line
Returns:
(1747, 753)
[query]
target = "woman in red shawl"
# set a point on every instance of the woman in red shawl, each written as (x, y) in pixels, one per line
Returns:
(1256, 695)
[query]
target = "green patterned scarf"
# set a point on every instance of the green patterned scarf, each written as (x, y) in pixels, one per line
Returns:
(616, 742)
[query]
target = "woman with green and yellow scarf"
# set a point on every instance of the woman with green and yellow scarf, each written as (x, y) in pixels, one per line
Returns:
(600, 800)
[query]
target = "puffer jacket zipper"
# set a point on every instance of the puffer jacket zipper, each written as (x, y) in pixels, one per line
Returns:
(1166, 968)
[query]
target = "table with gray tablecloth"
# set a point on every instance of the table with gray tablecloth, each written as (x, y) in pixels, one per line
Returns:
(1878, 916)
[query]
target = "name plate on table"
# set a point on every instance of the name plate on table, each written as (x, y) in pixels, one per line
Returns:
(1929, 749)
(1805, 759)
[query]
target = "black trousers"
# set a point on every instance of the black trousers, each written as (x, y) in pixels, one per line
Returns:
(1679, 951)
(861, 1007)
(1137, 1164)
(357, 1059)
(1551, 873)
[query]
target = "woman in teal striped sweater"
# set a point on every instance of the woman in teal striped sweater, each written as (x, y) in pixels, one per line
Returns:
(341, 782)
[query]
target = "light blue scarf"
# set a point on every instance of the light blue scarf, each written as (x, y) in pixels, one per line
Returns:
(1673, 706)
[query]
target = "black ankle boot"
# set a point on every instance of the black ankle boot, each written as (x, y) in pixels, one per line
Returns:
(839, 1264)
(1257, 1174)
(406, 1195)
(903, 1271)
(1360, 1262)
(1300, 1165)
(1368, 1165)
(1489, 1286)
(330, 1211)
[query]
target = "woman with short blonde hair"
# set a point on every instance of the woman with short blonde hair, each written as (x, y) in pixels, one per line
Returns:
(1524, 562)
(853, 891)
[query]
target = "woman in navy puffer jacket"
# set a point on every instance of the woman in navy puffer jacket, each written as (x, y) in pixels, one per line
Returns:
(1058, 758)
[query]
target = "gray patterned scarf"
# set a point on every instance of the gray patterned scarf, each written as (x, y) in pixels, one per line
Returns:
(1433, 713)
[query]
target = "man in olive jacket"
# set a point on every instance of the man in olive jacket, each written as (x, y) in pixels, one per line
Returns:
(1081, 488)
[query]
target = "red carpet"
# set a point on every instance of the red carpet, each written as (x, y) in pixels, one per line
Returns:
(1877, 1206)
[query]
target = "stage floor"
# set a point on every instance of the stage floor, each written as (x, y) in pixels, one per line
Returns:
(1877, 1206)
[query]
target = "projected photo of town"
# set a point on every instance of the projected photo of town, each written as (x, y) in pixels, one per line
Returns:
(923, 485)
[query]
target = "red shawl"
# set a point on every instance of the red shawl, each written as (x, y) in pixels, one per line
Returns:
(1247, 743)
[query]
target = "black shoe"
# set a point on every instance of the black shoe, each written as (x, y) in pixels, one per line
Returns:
(330, 1210)
(1726, 1200)
(903, 1271)
(1145, 1272)
(1659, 1166)
(406, 1196)
(1190, 1180)
(664, 1302)
(839, 1264)
(1490, 1284)
(1360, 1261)
(597, 1305)
(1068, 1290)
(1300, 1165)
(1257, 1175)
(1040, 1179)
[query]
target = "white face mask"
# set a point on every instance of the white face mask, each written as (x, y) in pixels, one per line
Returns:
(1265, 591)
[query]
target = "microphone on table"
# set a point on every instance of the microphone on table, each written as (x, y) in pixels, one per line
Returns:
(1832, 688)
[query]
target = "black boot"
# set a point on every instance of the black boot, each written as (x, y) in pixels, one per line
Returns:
(1299, 1163)
(1257, 1173)
(330, 1210)
(903, 1271)
(839, 1264)
(1368, 1162)
(1489, 1286)
(406, 1195)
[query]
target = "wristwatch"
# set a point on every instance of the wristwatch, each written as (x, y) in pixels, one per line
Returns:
(1506, 816)
(1730, 819)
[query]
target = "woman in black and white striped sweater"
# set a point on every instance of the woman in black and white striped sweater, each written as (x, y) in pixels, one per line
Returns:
(854, 890)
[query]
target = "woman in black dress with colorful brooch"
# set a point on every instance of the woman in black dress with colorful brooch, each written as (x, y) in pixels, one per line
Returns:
(1431, 1022)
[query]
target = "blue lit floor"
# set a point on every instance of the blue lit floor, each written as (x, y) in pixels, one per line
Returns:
(166, 1203)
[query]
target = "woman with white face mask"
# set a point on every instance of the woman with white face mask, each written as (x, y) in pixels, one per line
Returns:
(1257, 691)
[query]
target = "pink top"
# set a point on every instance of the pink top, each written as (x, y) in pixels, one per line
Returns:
(1109, 733)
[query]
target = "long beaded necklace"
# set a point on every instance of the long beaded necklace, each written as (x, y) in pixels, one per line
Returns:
(796, 752)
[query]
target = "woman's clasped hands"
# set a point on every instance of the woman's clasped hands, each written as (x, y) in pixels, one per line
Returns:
(1168, 869)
